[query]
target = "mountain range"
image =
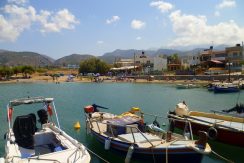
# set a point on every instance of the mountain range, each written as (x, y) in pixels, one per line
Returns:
(13, 58)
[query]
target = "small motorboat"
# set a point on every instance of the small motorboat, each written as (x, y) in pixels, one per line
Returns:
(220, 127)
(129, 134)
(25, 142)
(186, 86)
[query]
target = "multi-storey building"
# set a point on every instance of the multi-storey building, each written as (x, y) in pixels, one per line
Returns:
(230, 58)
(235, 56)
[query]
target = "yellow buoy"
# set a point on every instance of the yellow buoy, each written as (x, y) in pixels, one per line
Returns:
(135, 109)
(77, 125)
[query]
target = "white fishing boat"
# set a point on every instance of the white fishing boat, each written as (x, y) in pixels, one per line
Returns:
(25, 142)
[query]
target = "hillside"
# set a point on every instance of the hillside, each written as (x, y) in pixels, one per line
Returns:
(72, 59)
(11, 58)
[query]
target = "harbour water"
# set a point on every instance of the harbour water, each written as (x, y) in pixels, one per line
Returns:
(70, 98)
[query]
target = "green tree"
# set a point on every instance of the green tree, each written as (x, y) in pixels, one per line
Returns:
(25, 70)
(174, 58)
(6, 72)
(93, 65)
(16, 70)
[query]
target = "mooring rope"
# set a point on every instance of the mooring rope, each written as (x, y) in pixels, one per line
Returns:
(97, 155)
(223, 158)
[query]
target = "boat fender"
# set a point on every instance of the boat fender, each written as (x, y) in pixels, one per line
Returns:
(107, 143)
(129, 154)
(212, 133)
(88, 127)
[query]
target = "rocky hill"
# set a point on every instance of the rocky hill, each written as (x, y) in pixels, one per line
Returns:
(74, 59)
(11, 58)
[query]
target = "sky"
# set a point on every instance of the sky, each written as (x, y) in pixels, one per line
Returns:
(59, 28)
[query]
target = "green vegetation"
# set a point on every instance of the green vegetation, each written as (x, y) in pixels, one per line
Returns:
(7, 72)
(174, 58)
(93, 65)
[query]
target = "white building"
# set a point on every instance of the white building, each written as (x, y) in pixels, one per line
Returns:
(159, 63)
(125, 62)
(188, 61)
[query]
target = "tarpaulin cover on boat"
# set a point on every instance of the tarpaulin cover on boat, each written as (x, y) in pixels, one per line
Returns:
(125, 120)
(117, 125)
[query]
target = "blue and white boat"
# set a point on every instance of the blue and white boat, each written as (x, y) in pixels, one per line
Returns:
(226, 88)
(128, 134)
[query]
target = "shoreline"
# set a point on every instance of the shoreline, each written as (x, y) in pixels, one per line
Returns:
(87, 80)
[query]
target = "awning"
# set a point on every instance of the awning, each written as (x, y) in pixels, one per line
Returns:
(30, 100)
(216, 61)
(124, 68)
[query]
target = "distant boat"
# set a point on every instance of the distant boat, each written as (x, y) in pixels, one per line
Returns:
(211, 86)
(186, 86)
(226, 88)
(223, 128)
(128, 134)
(26, 143)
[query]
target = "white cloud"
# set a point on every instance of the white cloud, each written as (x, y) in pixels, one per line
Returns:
(162, 6)
(137, 24)
(18, 2)
(138, 38)
(18, 19)
(100, 42)
(194, 30)
(113, 19)
(226, 4)
(217, 13)
(63, 19)
(15, 19)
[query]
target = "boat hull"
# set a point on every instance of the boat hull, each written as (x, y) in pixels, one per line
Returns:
(223, 135)
(153, 154)
(226, 89)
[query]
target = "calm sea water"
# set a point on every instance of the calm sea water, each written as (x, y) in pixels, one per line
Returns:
(70, 98)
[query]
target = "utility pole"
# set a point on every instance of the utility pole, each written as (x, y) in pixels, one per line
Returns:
(134, 62)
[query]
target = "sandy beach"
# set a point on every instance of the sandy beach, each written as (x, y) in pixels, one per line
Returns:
(36, 78)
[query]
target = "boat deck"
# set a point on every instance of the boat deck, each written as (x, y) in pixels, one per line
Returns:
(223, 123)
(155, 140)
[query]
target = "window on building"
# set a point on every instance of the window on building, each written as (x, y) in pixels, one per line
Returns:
(235, 54)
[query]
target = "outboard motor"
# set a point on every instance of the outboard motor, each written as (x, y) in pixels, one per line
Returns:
(24, 130)
(89, 109)
(43, 117)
